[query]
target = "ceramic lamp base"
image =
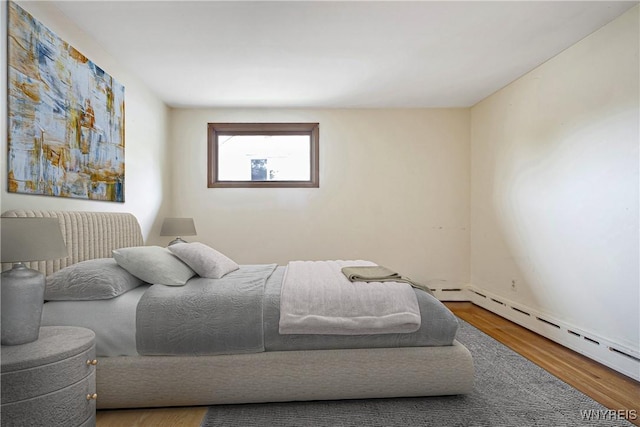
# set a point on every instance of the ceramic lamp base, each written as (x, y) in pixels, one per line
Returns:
(22, 300)
(177, 240)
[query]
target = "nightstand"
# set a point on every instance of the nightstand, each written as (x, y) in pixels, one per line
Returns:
(51, 381)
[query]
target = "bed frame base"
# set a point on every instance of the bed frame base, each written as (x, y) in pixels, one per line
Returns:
(157, 381)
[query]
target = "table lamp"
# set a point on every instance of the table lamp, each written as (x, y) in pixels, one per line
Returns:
(178, 227)
(22, 289)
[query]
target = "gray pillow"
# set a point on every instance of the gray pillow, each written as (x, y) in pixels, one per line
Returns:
(94, 279)
(204, 260)
(154, 264)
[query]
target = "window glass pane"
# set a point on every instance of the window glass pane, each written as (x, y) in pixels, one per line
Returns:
(264, 157)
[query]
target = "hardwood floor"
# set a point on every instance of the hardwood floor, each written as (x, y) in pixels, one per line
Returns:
(602, 384)
(162, 417)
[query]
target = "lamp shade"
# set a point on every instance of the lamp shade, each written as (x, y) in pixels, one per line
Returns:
(31, 239)
(178, 227)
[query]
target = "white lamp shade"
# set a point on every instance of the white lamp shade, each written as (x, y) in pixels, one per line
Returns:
(31, 239)
(178, 227)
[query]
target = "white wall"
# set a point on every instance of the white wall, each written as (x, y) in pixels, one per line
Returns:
(394, 188)
(147, 173)
(555, 186)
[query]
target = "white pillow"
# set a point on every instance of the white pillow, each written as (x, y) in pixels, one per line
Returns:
(93, 279)
(204, 260)
(153, 264)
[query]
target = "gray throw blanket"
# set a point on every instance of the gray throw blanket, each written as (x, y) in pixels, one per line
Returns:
(378, 273)
(205, 316)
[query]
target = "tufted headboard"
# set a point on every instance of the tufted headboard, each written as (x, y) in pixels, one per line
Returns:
(88, 235)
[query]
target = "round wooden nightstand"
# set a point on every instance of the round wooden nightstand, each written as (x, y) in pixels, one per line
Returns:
(51, 381)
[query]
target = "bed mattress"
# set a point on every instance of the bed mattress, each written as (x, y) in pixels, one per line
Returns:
(114, 323)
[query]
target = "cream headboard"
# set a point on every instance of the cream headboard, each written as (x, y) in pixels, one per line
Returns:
(88, 235)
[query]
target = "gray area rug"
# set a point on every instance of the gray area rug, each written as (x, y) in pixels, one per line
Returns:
(509, 391)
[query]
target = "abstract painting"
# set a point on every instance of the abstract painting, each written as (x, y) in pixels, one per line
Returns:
(66, 117)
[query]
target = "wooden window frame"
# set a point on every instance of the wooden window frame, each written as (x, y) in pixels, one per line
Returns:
(216, 129)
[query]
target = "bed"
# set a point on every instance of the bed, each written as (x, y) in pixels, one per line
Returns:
(289, 368)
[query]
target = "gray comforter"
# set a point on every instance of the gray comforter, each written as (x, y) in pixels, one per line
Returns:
(205, 316)
(240, 313)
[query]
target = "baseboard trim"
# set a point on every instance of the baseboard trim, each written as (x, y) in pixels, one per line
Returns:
(614, 355)
(450, 294)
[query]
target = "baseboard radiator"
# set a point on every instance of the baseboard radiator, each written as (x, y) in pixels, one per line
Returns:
(614, 355)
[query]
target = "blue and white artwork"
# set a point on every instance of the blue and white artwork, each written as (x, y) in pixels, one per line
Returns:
(66, 117)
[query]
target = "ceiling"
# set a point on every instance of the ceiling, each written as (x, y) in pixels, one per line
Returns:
(317, 54)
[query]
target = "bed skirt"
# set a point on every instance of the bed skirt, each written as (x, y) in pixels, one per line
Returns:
(159, 381)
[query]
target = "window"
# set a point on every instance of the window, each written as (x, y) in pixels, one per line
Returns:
(263, 155)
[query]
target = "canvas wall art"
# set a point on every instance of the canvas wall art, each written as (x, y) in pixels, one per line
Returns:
(66, 117)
